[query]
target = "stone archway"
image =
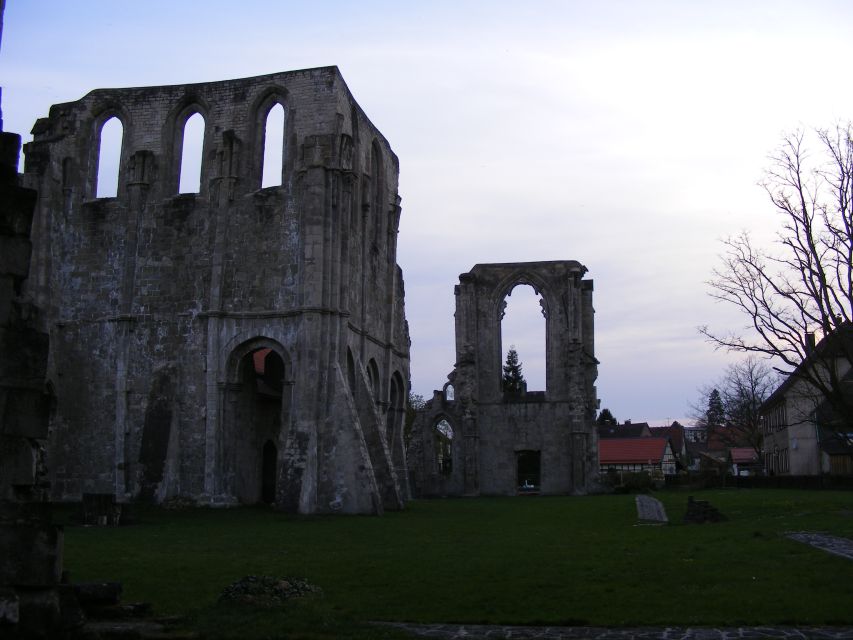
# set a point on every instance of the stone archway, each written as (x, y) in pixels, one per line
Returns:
(257, 410)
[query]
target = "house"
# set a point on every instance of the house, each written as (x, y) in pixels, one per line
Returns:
(695, 434)
(836, 452)
(802, 434)
(651, 455)
(745, 461)
(675, 432)
(627, 430)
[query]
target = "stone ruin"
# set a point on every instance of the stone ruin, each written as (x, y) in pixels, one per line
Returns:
(238, 344)
(244, 343)
(30, 544)
(473, 438)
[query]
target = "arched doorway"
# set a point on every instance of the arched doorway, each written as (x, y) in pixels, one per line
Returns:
(257, 405)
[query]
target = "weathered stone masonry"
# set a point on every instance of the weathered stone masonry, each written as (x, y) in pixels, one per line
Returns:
(501, 441)
(237, 344)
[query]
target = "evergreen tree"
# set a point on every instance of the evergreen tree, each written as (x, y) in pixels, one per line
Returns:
(715, 415)
(513, 379)
(606, 418)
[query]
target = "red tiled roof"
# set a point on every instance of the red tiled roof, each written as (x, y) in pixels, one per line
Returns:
(631, 450)
(743, 455)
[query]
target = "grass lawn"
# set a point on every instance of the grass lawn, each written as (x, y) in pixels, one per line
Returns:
(561, 560)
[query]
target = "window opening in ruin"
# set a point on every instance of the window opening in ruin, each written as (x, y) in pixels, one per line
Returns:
(109, 158)
(273, 147)
(373, 376)
(523, 327)
(528, 470)
(191, 154)
(449, 393)
(376, 193)
(351, 372)
(268, 472)
(396, 409)
(444, 447)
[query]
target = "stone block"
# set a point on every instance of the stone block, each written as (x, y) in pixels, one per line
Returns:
(7, 294)
(25, 513)
(91, 594)
(32, 555)
(24, 412)
(16, 215)
(24, 354)
(39, 609)
(14, 255)
(20, 460)
(650, 510)
(9, 607)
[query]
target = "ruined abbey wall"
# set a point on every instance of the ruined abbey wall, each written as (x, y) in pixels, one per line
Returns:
(237, 344)
(508, 443)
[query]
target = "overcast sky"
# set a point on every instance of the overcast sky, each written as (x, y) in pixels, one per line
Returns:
(626, 135)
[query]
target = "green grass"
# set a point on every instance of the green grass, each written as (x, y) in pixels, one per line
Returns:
(531, 560)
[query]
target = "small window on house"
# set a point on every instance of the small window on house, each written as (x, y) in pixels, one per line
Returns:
(273, 147)
(191, 154)
(444, 447)
(109, 158)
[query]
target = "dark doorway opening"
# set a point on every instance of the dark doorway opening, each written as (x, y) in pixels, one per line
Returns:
(257, 406)
(268, 472)
(528, 471)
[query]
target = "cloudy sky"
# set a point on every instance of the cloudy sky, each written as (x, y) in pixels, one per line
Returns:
(627, 135)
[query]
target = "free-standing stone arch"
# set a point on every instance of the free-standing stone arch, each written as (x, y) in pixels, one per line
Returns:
(494, 431)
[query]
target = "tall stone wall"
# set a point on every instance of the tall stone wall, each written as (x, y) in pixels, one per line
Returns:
(506, 443)
(207, 344)
(31, 557)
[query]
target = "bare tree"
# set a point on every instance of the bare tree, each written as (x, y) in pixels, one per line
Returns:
(805, 287)
(730, 408)
(745, 387)
(416, 403)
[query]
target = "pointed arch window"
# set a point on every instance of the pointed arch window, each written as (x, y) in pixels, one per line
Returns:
(192, 149)
(109, 158)
(523, 330)
(373, 378)
(273, 160)
(376, 192)
(444, 447)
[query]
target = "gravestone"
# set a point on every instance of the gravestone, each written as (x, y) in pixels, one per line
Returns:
(650, 510)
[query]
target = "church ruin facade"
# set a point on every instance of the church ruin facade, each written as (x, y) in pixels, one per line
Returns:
(236, 343)
(476, 438)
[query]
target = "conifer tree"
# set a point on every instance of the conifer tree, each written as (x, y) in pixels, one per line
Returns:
(513, 379)
(715, 415)
(606, 418)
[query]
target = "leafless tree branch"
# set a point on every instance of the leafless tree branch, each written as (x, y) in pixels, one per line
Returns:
(805, 285)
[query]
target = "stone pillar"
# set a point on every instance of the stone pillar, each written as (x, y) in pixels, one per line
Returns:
(31, 557)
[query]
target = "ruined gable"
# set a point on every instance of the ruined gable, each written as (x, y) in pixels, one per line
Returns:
(158, 302)
(508, 443)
